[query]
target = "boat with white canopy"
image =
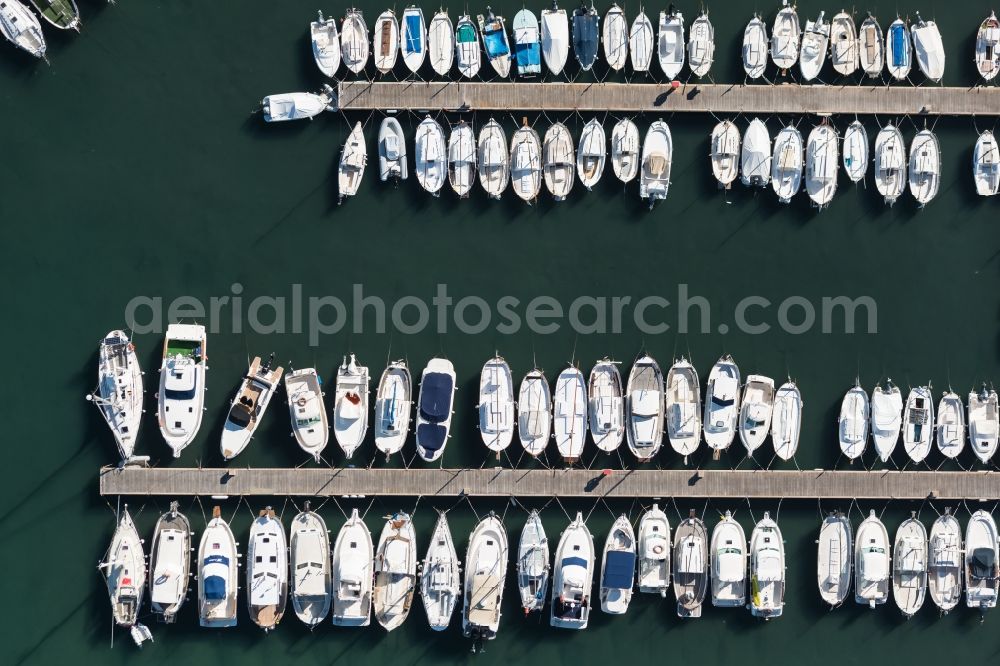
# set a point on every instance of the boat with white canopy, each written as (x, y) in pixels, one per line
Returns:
(729, 563)
(701, 46)
(722, 395)
(929, 48)
(644, 408)
(945, 565)
(353, 158)
(755, 155)
(573, 577)
(918, 423)
(526, 163)
(170, 564)
(786, 420)
(872, 562)
(890, 163)
(555, 38)
(856, 151)
(683, 408)
(909, 566)
(725, 141)
(181, 398)
(393, 407)
(353, 555)
(815, 40)
(785, 37)
(691, 566)
(325, 44)
(670, 43)
(350, 405)
(391, 151)
(305, 405)
(988, 48)
(654, 552)
(986, 165)
(441, 43)
(950, 427)
(756, 409)
(834, 558)
(534, 412)
(485, 574)
(267, 570)
(354, 41)
(844, 44)
(984, 423)
(606, 405)
(492, 159)
(822, 164)
(755, 48)
(787, 166)
(640, 42)
(615, 37)
(462, 158)
(311, 567)
(591, 153)
(440, 579)
(657, 158)
(925, 167)
(852, 425)
(982, 575)
(496, 405)
(625, 150)
(887, 418)
(430, 156)
(558, 161)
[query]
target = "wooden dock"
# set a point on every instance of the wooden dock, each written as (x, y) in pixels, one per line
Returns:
(495, 482)
(791, 99)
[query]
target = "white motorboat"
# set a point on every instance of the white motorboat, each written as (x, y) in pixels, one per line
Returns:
(462, 158)
(558, 161)
(119, 390)
(496, 405)
(492, 158)
(354, 41)
(585, 36)
(929, 48)
(555, 38)
(691, 566)
(887, 418)
(722, 394)
(573, 577)
(871, 562)
(440, 579)
(756, 409)
(725, 142)
(591, 153)
(856, 151)
(607, 405)
(890, 163)
(822, 164)
(485, 574)
(785, 37)
(683, 408)
(945, 565)
(434, 408)
(534, 412)
(441, 43)
(982, 576)
(618, 567)
(925, 166)
(701, 46)
(729, 563)
(181, 398)
(815, 39)
(950, 425)
(899, 56)
(615, 36)
(918, 423)
(570, 414)
(787, 165)
(644, 408)
(391, 151)
(468, 53)
(834, 558)
(909, 566)
(350, 405)
(786, 421)
(640, 42)
(654, 552)
(325, 44)
(852, 425)
(871, 48)
(310, 561)
(495, 42)
(986, 165)
(657, 158)
(393, 407)
(353, 555)
(755, 155)
(988, 48)
(526, 163)
(353, 158)
(267, 570)
(767, 569)
(385, 41)
(170, 564)
(625, 150)
(305, 406)
(413, 38)
(395, 569)
(755, 48)
(844, 44)
(984, 423)
(670, 43)
(19, 25)
(527, 44)
(248, 406)
(430, 156)
(533, 564)
(124, 571)
(218, 572)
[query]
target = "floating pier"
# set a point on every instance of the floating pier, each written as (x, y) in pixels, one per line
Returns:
(792, 99)
(504, 482)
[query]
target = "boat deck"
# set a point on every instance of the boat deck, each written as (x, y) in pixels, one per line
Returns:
(497, 482)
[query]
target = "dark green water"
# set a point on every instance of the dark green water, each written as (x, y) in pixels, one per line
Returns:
(132, 167)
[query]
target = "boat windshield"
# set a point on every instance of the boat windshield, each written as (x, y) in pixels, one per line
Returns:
(983, 563)
(183, 394)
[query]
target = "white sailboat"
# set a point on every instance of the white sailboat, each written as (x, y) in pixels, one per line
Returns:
(19, 25)
(925, 167)
(644, 409)
(170, 564)
(533, 564)
(844, 44)
(767, 569)
(385, 41)
(856, 151)
(725, 154)
(267, 570)
(555, 38)
(898, 51)
(691, 566)
(181, 398)
(441, 43)
(756, 409)
(485, 574)
(890, 163)
(305, 406)
(918, 423)
(558, 161)
(353, 556)
(434, 408)
(570, 414)
(640, 42)
(310, 562)
(625, 150)
(755, 155)
(785, 37)
(468, 52)
(986, 165)
(909, 566)
(945, 565)
(657, 158)
(325, 44)
(815, 40)
(618, 567)
(393, 407)
(395, 571)
(350, 405)
(822, 164)
(683, 408)
(701, 46)
(354, 41)
(786, 421)
(496, 405)
(218, 572)
(573, 577)
(526, 164)
(887, 418)
(615, 36)
(534, 412)
(755, 48)
(440, 579)
(722, 394)
(119, 390)
(834, 558)
(391, 151)
(124, 571)
(929, 48)
(670, 43)
(462, 158)
(982, 576)
(872, 562)
(413, 38)
(871, 48)
(729, 563)
(984, 423)
(950, 425)
(591, 153)
(248, 406)
(492, 158)
(430, 156)
(787, 165)
(353, 158)
(988, 47)
(654, 552)
(852, 425)
(607, 406)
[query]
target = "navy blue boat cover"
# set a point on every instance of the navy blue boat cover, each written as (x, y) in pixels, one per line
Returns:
(436, 390)
(619, 570)
(215, 588)
(528, 57)
(431, 436)
(495, 42)
(574, 561)
(413, 34)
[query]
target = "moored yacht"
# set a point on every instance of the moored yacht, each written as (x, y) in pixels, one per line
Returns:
(755, 48)
(872, 562)
(534, 412)
(585, 36)
(988, 48)
(852, 425)
(767, 569)
(785, 37)
(722, 395)
(918, 423)
(815, 39)
(353, 555)
(644, 408)
(834, 558)
(533, 564)
(909, 566)
(218, 571)
(555, 38)
(786, 167)
(856, 151)
(756, 409)
(353, 158)
(929, 48)
(786, 420)
(485, 574)
(657, 158)
(527, 44)
(440, 579)
(755, 155)
(887, 418)
(607, 406)
(945, 566)
(181, 396)
(62, 14)
(393, 406)
(305, 405)
(441, 43)
(496, 405)
(573, 577)
(640, 42)
(898, 51)
(843, 44)
(430, 156)
(890, 163)
(670, 42)
(124, 571)
(691, 566)
(170, 564)
(950, 425)
(310, 563)
(822, 164)
(591, 153)
(558, 161)
(248, 406)
(395, 570)
(434, 408)
(683, 408)
(615, 37)
(468, 53)
(729, 563)
(625, 150)
(526, 163)
(385, 41)
(982, 576)
(725, 142)
(495, 42)
(986, 165)
(871, 48)
(119, 390)
(492, 158)
(701, 46)
(925, 167)
(618, 567)
(392, 162)
(267, 570)
(570, 414)
(19, 25)
(984, 423)
(462, 158)
(350, 405)
(325, 44)
(654, 552)
(354, 41)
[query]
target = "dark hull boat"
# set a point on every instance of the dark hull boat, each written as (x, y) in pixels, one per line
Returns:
(585, 42)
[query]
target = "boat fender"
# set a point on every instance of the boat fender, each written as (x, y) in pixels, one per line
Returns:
(658, 549)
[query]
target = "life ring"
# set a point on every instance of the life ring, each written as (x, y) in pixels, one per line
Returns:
(301, 402)
(658, 549)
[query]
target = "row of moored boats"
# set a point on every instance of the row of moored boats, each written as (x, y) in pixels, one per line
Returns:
(22, 29)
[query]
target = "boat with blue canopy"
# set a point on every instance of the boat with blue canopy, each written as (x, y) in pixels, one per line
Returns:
(618, 570)
(527, 46)
(585, 22)
(495, 41)
(434, 407)
(898, 50)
